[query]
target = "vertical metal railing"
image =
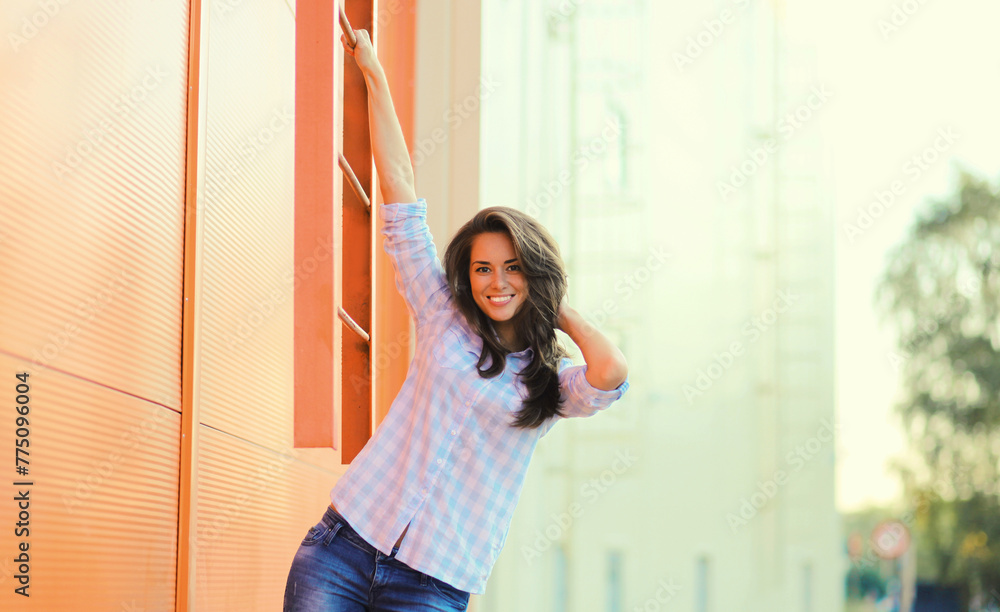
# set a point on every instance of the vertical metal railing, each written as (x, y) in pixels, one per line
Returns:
(356, 279)
(352, 178)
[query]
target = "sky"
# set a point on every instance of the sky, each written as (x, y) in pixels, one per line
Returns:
(925, 84)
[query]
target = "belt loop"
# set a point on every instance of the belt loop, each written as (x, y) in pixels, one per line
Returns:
(423, 579)
(333, 533)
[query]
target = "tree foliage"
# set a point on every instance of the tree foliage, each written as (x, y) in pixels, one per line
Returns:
(941, 288)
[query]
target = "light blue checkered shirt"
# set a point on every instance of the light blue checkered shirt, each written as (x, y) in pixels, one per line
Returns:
(445, 459)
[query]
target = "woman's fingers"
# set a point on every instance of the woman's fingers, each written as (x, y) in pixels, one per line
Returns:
(347, 48)
(363, 52)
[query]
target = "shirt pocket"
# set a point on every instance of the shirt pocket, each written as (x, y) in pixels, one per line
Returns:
(503, 400)
(452, 353)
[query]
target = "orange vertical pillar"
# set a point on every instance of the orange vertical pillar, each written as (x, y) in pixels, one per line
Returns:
(317, 219)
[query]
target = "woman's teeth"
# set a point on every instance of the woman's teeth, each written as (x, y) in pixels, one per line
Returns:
(501, 300)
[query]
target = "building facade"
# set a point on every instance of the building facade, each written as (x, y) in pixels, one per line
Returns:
(669, 147)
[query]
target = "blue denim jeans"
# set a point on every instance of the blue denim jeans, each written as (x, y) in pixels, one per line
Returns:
(336, 570)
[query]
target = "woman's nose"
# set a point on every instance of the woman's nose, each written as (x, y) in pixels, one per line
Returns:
(499, 280)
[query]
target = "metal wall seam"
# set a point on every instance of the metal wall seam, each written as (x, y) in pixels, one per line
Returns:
(187, 506)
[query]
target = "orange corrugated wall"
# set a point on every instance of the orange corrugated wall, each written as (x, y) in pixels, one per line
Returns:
(92, 184)
(96, 192)
(255, 494)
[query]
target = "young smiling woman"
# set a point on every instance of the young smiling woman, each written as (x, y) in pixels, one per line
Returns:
(437, 483)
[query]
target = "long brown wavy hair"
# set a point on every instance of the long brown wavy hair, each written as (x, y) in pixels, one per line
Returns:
(535, 320)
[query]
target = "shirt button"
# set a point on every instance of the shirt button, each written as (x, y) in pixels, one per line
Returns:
(439, 462)
(453, 432)
(468, 403)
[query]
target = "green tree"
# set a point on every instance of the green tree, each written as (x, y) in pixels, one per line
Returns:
(940, 289)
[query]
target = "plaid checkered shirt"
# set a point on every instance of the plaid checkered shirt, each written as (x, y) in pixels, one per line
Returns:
(445, 459)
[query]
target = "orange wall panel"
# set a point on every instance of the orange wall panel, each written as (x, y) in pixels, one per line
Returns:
(92, 184)
(254, 494)
(92, 191)
(254, 507)
(103, 504)
(246, 202)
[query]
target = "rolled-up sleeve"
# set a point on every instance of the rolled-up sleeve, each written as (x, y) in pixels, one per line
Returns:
(580, 398)
(420, 277)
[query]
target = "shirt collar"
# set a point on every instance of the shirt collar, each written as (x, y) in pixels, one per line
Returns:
(474, 344)
(526, 353)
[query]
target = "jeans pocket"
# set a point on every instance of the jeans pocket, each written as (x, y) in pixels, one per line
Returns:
(316, 534)
(454, 595)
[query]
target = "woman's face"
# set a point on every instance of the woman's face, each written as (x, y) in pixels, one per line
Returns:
(498, 284)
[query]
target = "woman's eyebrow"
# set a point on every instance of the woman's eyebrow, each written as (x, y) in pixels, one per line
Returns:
(488, 263)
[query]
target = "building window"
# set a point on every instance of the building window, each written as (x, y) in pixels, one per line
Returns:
(615, 581)
(615, 164)
(701, 585)
(559, 592)
(807, 595)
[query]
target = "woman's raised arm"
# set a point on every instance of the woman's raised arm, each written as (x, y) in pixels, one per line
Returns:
(392, 160)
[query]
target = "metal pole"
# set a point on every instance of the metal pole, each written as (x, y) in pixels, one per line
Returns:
(346, 318)
(345, 25)
(355, 184)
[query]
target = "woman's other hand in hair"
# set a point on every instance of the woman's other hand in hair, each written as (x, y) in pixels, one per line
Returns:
(561, 316)
(606, 365)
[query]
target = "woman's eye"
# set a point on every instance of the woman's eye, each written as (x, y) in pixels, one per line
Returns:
(514, 268)
(482, 269)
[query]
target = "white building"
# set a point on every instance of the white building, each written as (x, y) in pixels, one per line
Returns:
(654, 139)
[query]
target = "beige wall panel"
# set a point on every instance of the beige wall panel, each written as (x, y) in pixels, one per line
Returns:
(92, 189)
(247, 203)
(254, 507)
(103, 504)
